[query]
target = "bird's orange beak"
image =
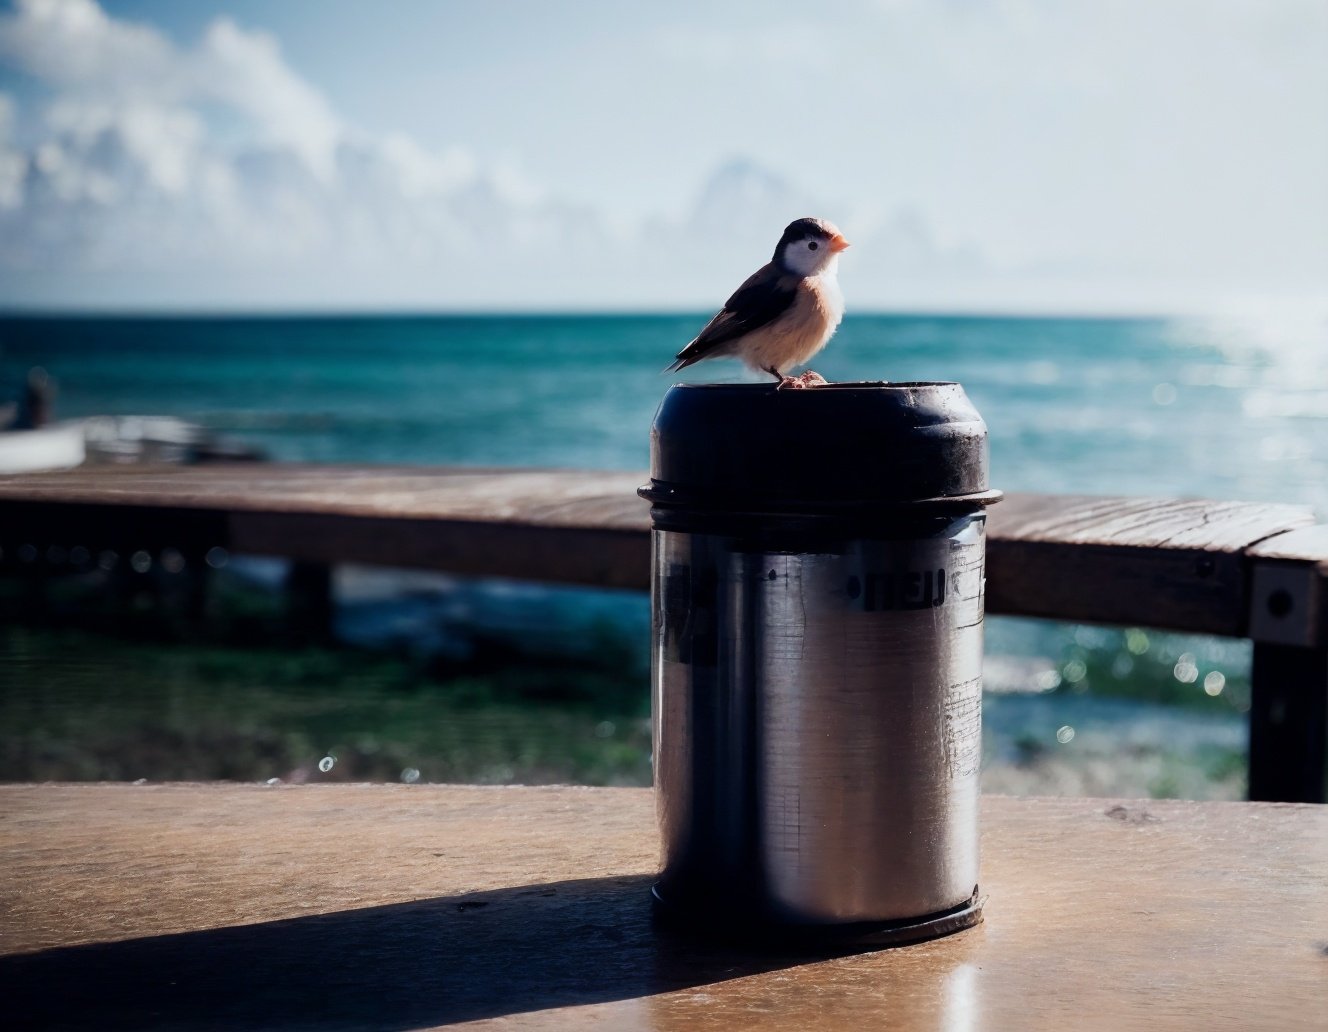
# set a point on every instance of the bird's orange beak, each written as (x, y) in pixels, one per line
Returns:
(838, 243)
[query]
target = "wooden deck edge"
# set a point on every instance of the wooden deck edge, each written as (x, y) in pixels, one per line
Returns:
(604, 557)
(1166, 563)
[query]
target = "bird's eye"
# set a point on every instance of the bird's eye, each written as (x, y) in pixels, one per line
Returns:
(813, 246)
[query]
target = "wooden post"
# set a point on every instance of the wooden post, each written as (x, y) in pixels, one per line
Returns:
(198, 578)
(309, 602)
(1289, 724)
(1289, 675)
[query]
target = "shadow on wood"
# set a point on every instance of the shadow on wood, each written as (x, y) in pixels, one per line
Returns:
(406, 965)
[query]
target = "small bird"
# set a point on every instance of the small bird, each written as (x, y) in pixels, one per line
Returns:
(784, 313)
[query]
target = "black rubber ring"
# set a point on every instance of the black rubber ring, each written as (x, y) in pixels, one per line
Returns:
(766, 933)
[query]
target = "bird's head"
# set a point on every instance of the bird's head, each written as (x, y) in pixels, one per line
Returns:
(809, 247)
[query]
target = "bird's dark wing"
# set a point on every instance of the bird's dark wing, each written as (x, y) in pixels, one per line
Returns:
(766, 295)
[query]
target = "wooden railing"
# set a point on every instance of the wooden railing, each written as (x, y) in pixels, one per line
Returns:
(1239, 569)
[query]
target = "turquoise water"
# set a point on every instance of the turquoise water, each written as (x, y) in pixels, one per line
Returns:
(1231, 410)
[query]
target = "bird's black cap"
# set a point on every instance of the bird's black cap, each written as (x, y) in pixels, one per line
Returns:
(802, 229)
(840, 448)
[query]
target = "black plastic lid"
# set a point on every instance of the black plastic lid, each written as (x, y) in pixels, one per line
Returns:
(845, 446)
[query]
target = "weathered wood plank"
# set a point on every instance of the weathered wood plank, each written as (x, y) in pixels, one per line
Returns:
(1204, 525)
(553, 525)
(400, 907)
(1307, 545)
(594, 556)
(588, 498)
(1167, 563)
(607, 499)
(1173, 563)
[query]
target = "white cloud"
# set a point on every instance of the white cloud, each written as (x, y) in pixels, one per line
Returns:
(221, 159)
(74, 45)
(13, 163)
(246, 71)
(422, 172)
(1012, 154)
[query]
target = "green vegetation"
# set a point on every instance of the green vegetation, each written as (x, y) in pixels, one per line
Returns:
(1209, 675)
(107, 680)
(86, 706)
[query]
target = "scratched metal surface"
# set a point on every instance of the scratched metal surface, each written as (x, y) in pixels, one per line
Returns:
(819, 722)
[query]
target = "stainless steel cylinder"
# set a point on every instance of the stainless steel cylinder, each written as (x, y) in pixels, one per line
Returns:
(817, 660)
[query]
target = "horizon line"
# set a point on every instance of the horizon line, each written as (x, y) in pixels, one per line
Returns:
(275, 312)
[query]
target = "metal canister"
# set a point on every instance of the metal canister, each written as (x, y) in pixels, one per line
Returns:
(817, 601)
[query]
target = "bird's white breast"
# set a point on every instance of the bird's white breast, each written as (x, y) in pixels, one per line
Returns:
(801, 331)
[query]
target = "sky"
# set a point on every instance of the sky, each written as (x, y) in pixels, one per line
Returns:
(1136, 156)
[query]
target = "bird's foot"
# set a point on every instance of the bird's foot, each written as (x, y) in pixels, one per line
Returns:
(799, 383)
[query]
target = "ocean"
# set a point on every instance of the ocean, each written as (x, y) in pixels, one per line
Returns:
(1148, 406)
(1176, 407)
